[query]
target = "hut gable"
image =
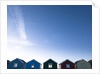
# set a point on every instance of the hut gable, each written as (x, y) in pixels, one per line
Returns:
(82, 64)
(33, 64)
(67, 64)
(17, 64)
(50, 64)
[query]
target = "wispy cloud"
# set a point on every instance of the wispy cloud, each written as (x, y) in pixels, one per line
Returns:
(20, 42)
(15, 44)
(17, 18)
(16, 15)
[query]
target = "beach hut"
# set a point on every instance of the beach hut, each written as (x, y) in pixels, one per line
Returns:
(67, 64)
(82, 64)
(17, 64)
(33, 64)
(90, 61)
(50, 64)
(8, 63)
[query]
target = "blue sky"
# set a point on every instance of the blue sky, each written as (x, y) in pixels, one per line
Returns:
(41, 32)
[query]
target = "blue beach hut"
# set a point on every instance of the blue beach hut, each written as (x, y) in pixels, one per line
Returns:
(33, 64)
(16, 64)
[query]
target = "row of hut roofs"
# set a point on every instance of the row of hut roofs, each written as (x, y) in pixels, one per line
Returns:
(49, 64)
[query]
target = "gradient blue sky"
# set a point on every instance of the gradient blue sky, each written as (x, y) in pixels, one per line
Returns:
(41, 32)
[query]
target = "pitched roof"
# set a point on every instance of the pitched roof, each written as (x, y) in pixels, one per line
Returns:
(65, 61)
(90, 61)
(49, 60)
(22, 60)
(8, 61)
(33, 60)
(19, 60)
(80, 60)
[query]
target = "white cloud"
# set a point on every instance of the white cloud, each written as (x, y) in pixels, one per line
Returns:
(17, 45)
(17, 18)
(16, 41)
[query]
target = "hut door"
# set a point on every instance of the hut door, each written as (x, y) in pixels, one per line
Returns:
(50, 65)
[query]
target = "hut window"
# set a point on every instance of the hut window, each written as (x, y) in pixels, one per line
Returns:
(15, 64)
(50, 65)
(32, 66)
(67, 65)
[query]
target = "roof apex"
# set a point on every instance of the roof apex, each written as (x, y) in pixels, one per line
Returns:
(19, 60)
(65, 61)
(48, 60)
(90, 60)
(33, 60)
(80, 60)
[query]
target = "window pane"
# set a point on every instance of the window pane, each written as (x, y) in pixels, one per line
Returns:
(15, 64)
(67, 65)
(32, 66)
(50, 65)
